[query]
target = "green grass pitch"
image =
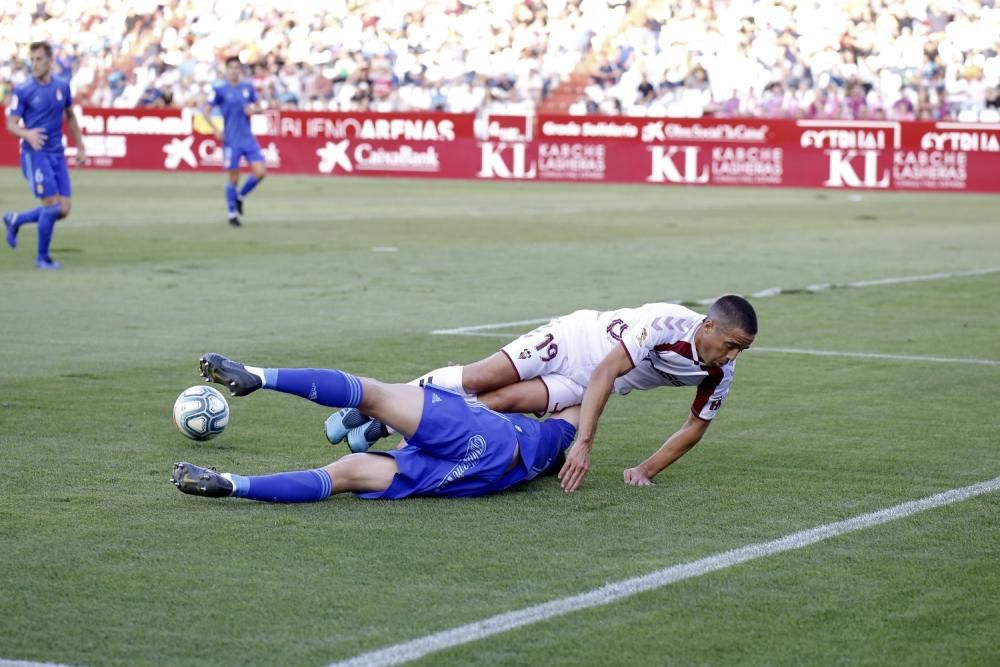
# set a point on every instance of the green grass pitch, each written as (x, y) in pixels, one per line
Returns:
(103, 562)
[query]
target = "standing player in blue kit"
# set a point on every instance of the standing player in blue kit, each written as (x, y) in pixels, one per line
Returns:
(36, 116)
(236, 100)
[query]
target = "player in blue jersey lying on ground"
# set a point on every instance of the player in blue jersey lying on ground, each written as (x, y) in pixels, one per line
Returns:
(236, 100)
(453, 448)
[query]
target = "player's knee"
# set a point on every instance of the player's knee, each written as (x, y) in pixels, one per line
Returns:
(347, 470)
(362, 472)
(64, 209)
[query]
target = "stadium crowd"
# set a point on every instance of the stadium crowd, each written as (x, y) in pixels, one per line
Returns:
(899, 59)
(896, 59)
(378, 55)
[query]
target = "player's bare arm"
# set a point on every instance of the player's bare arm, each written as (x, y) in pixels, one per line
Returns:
(73, 125)
(35, 138)
(602, 382)
(205, 109)
(675, 447)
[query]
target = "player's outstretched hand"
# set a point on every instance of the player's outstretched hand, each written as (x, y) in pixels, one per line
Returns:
(575, 469)
(636, 477)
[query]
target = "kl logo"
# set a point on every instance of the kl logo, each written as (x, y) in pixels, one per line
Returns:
(843, 174)
(667, 168)
(179, 150)
(334, 155)
(494, 164)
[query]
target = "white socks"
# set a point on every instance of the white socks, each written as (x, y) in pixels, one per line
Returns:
(259, 372)
(449, 377)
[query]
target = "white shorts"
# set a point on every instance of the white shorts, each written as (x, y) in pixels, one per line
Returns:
(562, 392)
(559, 353)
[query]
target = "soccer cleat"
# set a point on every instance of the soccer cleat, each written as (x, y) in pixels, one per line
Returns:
(47, 263)
(239, 205)
(199, 481)
(216, 368)
(340, 422)
(10, 222)
(361, 438)
(234, 221)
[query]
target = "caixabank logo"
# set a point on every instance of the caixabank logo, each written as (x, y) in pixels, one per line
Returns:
(194, 151)
(344, 157)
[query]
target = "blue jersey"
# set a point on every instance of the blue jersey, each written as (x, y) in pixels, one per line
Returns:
(41, 107)
(232, 102)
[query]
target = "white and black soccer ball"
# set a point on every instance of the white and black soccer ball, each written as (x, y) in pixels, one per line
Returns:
(200, 412)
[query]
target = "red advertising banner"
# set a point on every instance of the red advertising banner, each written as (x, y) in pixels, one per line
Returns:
(797, 153)
(745, 152)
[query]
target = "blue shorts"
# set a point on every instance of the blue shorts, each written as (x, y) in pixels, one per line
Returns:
(462, 450)
(46, 173)
(249, 148)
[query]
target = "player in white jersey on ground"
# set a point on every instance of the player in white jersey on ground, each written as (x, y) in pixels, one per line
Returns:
(583, 357)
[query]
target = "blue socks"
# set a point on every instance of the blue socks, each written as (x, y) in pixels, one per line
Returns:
(332, 388)
(231, 199)
(302, 486)
(28, 216)
(46, 221)
(248, 186)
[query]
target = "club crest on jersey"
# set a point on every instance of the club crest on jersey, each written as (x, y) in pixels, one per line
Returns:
(525, 354)
(59, 95)
(617, 329)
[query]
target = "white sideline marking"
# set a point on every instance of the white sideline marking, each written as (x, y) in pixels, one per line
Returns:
(25, 663)
(772, 291)
(875, 355)
(794, 350)
(484, 334)
(917, 279)
(439, 641)
(494, 325)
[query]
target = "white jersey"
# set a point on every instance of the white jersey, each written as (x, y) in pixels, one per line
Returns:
(658, 337)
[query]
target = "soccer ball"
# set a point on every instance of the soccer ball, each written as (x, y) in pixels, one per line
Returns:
(200, 412)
